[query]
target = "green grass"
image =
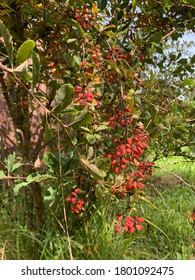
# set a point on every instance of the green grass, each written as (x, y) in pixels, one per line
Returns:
(168, 235)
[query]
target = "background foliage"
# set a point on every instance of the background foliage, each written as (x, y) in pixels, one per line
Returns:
(92, 95)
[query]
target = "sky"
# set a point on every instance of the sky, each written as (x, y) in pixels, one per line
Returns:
(190, 37)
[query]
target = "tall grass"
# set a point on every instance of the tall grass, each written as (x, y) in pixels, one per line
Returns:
(167, 234)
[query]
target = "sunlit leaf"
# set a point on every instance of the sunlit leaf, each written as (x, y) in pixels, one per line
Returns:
(25, 51)
(109, 27)
(93, 170)
(189, 82)
(134, 4)
(2, 175)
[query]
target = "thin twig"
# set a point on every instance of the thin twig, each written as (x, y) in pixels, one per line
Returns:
(168, 34)
(66, 223)
(63, 200)
(175, 175)
(3, 251)
(13, 178)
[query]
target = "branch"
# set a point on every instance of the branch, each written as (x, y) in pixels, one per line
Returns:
(178, 177)
(6, 96)
(168, 34)
(13, 178)
(7, 137)
(187, 5)
(47, 111)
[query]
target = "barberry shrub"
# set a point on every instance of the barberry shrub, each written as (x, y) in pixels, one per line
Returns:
(71, 76)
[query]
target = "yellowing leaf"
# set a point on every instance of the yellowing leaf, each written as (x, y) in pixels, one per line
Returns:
(98, 81)
(93, 170)
(134, 4)
(125, 14)
(108, 27)
(39, 6)
(110, 34)
(89, 76)
(94, 10)
(136, 162)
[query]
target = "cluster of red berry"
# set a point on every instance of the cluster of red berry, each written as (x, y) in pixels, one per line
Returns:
(95, 55)
(128, 223)
(120, 118)
(84, 17)
(86, 96)
(115, 55)
(129, 152)
(146, 168)
(77, 204)
(141, 56)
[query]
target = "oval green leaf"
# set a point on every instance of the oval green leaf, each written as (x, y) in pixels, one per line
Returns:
(25, 51)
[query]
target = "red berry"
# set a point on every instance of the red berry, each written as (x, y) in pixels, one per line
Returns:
(51, 64)
(83, 63)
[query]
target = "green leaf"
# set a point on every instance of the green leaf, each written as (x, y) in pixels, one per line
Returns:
(37, 177)
(110, 26)
(16, 166)
(77, 60)
(7, 41)
(182, 128)
(102, 127)
(148, 201)
(110, 34)
(50, 159)
(156, 37)
(11, 166)
(155, 226)
(103, 163)
(10, 162)
(71, 40)
(114, 66)
(33, 177)
(50, 195)
(103, 4)
(2, 174)
(78, 27)
(63, 97)
(91, 138)
(189, 82)
(35, 69)
(25, 51)
(134, 4)
(81, 119)
(93, 170)
(192, 59)
(17, 187)
(167, 4)
(71, 111)
(183, 61)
